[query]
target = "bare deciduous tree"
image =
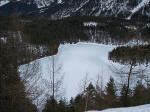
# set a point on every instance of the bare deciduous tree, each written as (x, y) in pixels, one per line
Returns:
(83, 85)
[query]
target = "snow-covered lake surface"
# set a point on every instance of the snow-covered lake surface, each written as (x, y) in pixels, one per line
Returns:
(142, 108)
(75, 60)
(81, 59)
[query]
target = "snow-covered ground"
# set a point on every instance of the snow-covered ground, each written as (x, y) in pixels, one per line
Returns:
(142, 108)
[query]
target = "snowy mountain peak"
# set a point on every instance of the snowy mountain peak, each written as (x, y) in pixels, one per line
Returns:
(39, 3)
(3, 2)
(63, 8)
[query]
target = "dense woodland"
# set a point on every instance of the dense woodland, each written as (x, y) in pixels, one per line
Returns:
(109, 30)
(13, 97)
(94, 98)
(138, 54)
(43, 32)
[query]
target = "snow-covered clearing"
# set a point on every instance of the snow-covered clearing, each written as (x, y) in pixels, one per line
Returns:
(142, 108)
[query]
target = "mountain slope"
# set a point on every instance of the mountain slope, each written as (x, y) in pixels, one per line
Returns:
(40, 3)
(27, 7)
(115, 8)
(3, 2)
(141, 5)
(64, 8)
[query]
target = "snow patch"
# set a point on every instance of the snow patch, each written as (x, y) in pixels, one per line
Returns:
(131, 27)
(43, 3)
(142, 108)
(59, 1)
(3, 39)
(94, 24)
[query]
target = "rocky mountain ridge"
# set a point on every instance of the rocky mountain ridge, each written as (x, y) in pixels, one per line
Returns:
(64, 8)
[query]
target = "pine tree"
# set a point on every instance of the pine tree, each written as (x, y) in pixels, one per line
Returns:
(71, 106)
(79, 103)
(111, 88)
(110, 97)
(51, 105)
(90, 98)
(139, 95)
(61, 106)
(13, 97)
(125, 100)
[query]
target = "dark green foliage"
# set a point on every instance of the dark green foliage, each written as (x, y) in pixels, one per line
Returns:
(5, 23)
(71, 106)
(51, 106)
(125, 54)
(79, 103)
(140, 95)
(125, 99)
(13, 53)
(71, 29)
(54, 106)
(111, 88)
(61, 106)
(110, 98)
(44, 31)
(94, 100)
(50, 32)
(13, 97)
(90, 97)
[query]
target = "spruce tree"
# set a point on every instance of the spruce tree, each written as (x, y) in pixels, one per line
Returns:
(90, 98)
(125, 100)
(110, 97)
(139, 95)
(61, 106)
(49, 107)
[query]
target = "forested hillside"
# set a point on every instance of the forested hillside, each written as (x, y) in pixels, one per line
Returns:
(26, 40)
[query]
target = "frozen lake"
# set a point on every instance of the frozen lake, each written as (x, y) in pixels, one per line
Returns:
(76, 60)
